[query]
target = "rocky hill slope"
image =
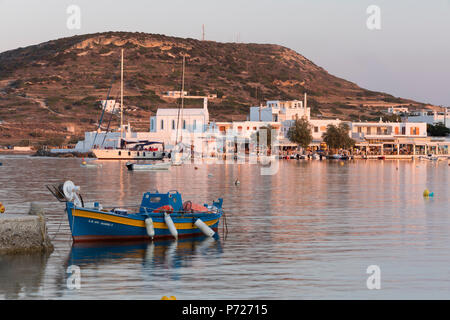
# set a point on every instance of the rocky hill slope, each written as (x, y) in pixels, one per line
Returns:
(50, 93)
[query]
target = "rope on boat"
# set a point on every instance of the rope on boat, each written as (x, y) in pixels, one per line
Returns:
(59, 226)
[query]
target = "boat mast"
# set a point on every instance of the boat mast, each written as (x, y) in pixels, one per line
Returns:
(182, 105)
(182, 99)
(121, 96)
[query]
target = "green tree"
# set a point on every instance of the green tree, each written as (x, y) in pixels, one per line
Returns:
(392, 118)
(301, 133)
(337, 136)
(437, 130)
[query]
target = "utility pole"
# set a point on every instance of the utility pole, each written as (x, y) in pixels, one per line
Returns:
(203, 32)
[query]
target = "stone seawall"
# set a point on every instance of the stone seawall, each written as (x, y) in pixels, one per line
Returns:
(21, 233)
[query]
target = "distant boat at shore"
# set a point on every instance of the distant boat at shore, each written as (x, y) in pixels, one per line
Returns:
(148, 166)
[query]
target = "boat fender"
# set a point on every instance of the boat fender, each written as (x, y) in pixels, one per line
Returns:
(204, 228)
(169, 222)
(150, 228)
(426, 193)
(2, 208)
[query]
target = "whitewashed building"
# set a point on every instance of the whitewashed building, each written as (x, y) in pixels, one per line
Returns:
(279, 111)
(112, 106)
(397, 110)
(430, 117)
(168, 125)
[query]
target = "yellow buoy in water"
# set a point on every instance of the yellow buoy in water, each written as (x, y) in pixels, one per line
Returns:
(426, 193)
(2, 208)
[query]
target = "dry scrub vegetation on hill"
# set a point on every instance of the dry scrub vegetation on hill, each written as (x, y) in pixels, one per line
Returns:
(49, 93)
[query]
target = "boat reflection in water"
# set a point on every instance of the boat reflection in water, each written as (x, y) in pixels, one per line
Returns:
(162, 253)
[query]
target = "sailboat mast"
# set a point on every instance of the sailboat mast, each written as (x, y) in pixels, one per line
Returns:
(182, 105)
(121, 96)
(182, 97)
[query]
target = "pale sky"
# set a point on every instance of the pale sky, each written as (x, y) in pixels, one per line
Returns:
(409, 57)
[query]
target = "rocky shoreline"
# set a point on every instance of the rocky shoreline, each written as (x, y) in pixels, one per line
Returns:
(47, 153)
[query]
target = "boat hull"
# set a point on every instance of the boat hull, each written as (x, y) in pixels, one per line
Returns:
(123, 154)
(149, 166)
(95, 225)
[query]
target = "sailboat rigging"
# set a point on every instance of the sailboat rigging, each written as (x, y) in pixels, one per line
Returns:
(128, 146)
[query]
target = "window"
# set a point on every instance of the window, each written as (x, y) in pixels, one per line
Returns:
(173, 124)
(162, 124)
(155, 199)
(184, 124)
(316, 129)
(194, 126)
(120, 153)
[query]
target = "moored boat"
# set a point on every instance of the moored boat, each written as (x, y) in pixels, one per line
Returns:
(430, 157)
(148, 166)
(160, 215)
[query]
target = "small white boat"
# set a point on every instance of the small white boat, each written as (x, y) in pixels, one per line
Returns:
(149, 166)
(430, 157)
(336, 156)
(85, 164)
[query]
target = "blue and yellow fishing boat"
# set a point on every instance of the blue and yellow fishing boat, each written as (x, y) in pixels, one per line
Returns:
(160, 215)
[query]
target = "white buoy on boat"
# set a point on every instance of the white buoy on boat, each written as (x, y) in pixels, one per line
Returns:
(149, 227)
(204, 228)
(169, 222)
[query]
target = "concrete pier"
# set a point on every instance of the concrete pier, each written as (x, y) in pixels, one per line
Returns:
(21, 233)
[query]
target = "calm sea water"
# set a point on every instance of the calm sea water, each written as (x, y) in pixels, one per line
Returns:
(310, 231)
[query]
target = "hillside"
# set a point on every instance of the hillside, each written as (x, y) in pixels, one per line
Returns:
(49, 93)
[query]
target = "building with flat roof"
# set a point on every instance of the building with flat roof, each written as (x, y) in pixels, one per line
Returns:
(279, 111)
(431, 117)
(397, 110)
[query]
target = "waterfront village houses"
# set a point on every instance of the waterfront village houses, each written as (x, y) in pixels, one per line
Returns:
(192, 125)
(430, 117)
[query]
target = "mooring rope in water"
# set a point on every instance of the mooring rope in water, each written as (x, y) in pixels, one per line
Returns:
(59, 226)
(224, 226)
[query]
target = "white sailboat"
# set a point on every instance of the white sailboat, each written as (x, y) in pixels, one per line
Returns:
(129, 148)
